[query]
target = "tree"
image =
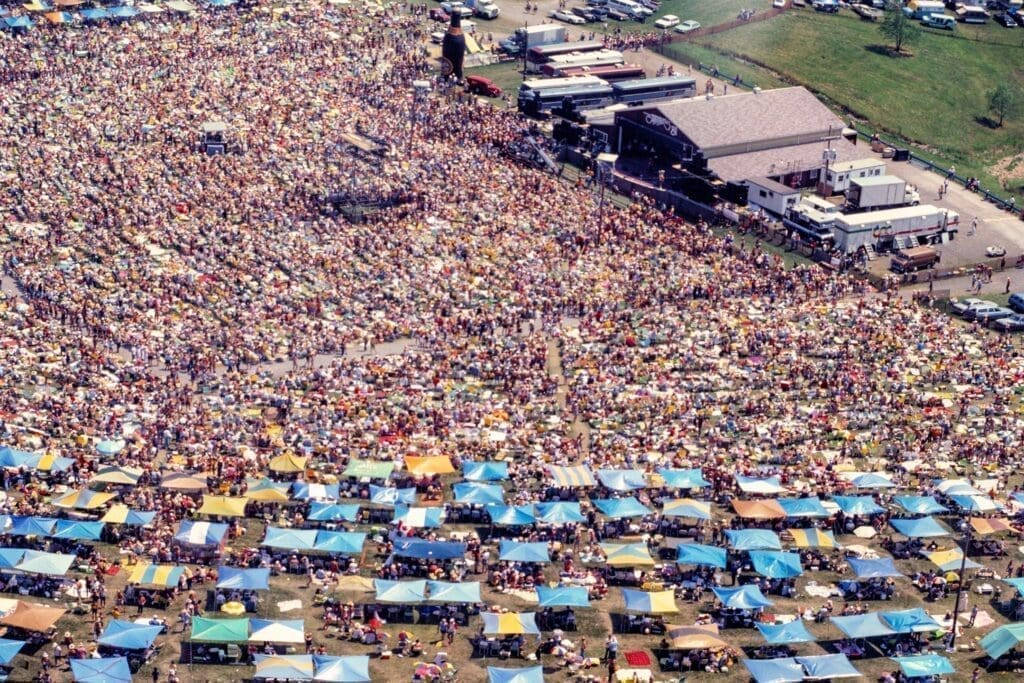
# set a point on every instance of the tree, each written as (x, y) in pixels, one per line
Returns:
(1002, 102)
(898, 27)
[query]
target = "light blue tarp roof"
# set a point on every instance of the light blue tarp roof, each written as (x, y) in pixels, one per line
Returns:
(924, 665)
(914, 620)
(684, 479)
(511, 515)
(976, 503)
(123, 12)
(385, 495)
(742, 597)
(12, 457)
(283, 667)
(515, 551)
(243, 579)
(304, 490)
(201, 533)
(104, 670)
(822, 667)
(1016, 583)
(803, 507)
(438, 550)
(320, 511)
(682, 508)
(290, 539)
(863, 625)
(9, 649)
(95, 14)
(753, 539)
(873, 569)
(765, 485)
(782, 670)
(31, 526)
(419, 517)
(444, 592)
(783, 634)
(858, 505)
(776, 564)
(699, 554)
(485, 471)
(622, 480)
(129, 635)
(616, 508)
(924, 527)
(341, 542)
(347, 669)
(51, 564)
(398, 592)
(562, 596)
(10, 557)
(870, 480)
(479, 494)
(559, 513)
(533, 674)
(1003, 639)
(79, 531)
(920, 505)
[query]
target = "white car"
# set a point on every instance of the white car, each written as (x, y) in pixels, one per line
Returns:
(687, 26)
(453, 7)
(437, 37)
(778, 3)
(993, 250)
(667, 21)
(567, 17)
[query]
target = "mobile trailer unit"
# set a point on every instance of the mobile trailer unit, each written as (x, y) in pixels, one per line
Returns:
(895, 228)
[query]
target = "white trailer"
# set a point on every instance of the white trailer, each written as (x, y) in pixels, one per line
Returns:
(840, 174)
(771, 196)
(879, 192)
(902, 228)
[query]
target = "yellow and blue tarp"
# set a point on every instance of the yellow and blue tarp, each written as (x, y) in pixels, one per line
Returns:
(813, 538)
(571, 477)
(657, 602)
(156, 575)
(84, 499)
(686, 507)
(627, 555)
(510, 623)
(951, 560)
(120, 514)
(276, 631)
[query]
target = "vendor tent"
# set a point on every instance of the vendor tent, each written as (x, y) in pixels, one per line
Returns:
(223, 506)
(653, 602)
(827, 667)
(870, 480)
(694, 637)
(742, 597)
(419, 517)
(517, 551)
(9, 649)
(447, 593)
(201, 533)
(858, 505)
(813, 538)
(991, 525)
(182, 481)
(276, 631)
(399, 592)
(339, 542)
(571, 477)
(976, 503)
(50, 564)
(873, 569)
(472, 493)
(126, 476)
(996, 644)
(437, 550)
(776, 564)
(86, 499)
(78, 531)
(684, 479)
(120, 514)
(559, 513)
(128, 635)
(429, 465)
(627, 555)
(753, 539)
(920, 505)
(304, 490)
(622, 480)
(511, 515)
(510, 623)
(390, 497)
(699, 554)
(237, 578)
(562, 596)
(102, 670)
(782, 670)
(925, 666)
(533, 674)
(206, 630)
(156, 575)
(290, 539)
(332, 512)
(768, 486)
(32, 526)
(618, 508)
(785, 634)
(31, 617)
(485, 471)
(758, 509)
(686, 507)
(368, 469)
(288, 463)
(803, 507)
(924, 527)
(268, 491)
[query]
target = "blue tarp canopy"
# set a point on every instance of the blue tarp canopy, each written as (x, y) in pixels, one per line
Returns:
(340, 542)
(485, 471)
(776, 564)
(1003, 639)
(699, 554)
(51, 564)
(384, 495)
(398, 592)
(858, 505)
(1016, 583)
(123, 12)
(444, 592)
(94, 14)
(347, 669)
(924, 666)
(920, 505)
(872, 480)
(10, 557)
(863, 625)
(783, 670)
(532, 674)
(103, 670)
(559, 513)
(803, 507)
(768, 486)
(684, 479)
(742, 597)
(201, 533)
(419, 517)
(515, 551)
(616, 508)
(12, 457)
(685, 507)
(925, 527)
(753, 539)
(320, 511)
(479, 494)
(9, 650)
(243, 579)
(304, 490)
(873, 569)
(18, 22)
(32, 526)
(827, 667)
(622, 480)
(913, 620)
(976, 503)
(783, 634)
(562, 596)
(437, 550)
(78, 531)
(511, 515)
(290, 539)
(128, 635)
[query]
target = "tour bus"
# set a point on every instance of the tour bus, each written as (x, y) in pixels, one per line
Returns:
(570, 99)
(972, 14)
(551, 83)
(613, 72)
(647, 89)
(598, 58)
(537, 57)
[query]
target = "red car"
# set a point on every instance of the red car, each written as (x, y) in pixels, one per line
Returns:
(478, 85)
(438, 14)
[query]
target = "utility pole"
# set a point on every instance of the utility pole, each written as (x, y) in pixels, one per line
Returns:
(960, 586)
(603, 170)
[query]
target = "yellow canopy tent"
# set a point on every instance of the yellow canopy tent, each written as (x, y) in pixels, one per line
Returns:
(288, 463)
(223, 506)
(180, 481)
(433, 464)
(84, 499)
(127, 476)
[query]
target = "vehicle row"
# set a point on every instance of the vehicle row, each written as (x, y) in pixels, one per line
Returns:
(1009, 318)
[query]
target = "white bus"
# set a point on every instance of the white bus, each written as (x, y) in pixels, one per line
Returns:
(599, 58)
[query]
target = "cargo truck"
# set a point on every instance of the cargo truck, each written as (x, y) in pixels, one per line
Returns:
(905, 227)
(531, 36)
(879, 192)
(810, 223)
(919, 9)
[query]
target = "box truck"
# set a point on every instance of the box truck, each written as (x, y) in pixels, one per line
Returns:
(905, 227)
(879, 192)
(532, 36)
(919, 9)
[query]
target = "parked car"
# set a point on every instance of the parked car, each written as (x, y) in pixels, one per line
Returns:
(994, 250)
(667, 21)
(438, 14)
(587, 13)
(437, 37)
(960, 306)
(1006, 19)
(1018, 17)
(567, 17)
(984, 312)
(451, 7)
(652, 5)
(1016, 302)
(779, 3)
(1011, 323)
(479, 85)
(687, 26)
(600, 12)
(618, 16)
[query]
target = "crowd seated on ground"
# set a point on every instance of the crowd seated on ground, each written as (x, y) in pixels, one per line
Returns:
(868, 589)
(718, 660)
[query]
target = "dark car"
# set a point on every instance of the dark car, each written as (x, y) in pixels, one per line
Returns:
(618, 16)
(987, 316)
(438, 14)
(1016, 302)
(478, 85)
(1018, 17)
(585, 12)
(1006, 20)
(600, 12)
(1013, 323)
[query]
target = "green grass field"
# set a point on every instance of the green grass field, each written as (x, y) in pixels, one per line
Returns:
(936, 99)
